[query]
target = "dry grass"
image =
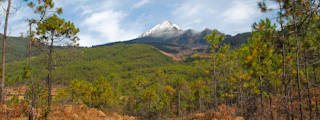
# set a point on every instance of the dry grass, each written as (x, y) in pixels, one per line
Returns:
(66, 112)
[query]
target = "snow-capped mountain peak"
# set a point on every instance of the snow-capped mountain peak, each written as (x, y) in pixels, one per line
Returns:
(164, 26)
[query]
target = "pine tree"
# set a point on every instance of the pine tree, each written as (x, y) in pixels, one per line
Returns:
(214, 40)
(51, 31)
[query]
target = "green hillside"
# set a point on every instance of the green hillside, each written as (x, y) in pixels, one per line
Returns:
(127, 61)
(16, 48)
(237, 40)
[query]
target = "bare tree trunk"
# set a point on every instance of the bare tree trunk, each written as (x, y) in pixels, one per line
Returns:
(31, 77)
(4, 53)
(291, 99)
(215, 83)
(112, 85)
(298, 67)
(308, 86)
(261, 91)
(178, 104)
(315, 93)
(89, 99)
(241, 98)
(50, 69)
(284, 63)
(199, 101)
(159, 110)
(286, 100)
(149, 108)
(271, 112)
(225, 87)
(171, 96)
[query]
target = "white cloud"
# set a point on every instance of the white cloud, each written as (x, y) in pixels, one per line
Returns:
(63, 3)
(87, 7)
(88, 40)
(228, 16)
(139, 4)
(106, 27)
(193, 14)
(241, 12)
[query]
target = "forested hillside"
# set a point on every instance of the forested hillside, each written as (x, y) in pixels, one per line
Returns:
(17, 49)
(89, 63)
(126, 69)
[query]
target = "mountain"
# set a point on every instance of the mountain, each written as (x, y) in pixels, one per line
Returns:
(165, 28)
(170, 38)
(169, 33)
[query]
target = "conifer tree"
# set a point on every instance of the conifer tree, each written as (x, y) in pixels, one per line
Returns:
(214, 40)
(41, 8)
(53, 31)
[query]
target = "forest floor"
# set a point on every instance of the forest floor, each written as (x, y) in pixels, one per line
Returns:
(80, 111)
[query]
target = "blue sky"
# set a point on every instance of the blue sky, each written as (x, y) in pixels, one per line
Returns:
(103, 21)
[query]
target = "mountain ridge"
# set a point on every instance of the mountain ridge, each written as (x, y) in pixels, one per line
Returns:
(165, 26)
(170, 38)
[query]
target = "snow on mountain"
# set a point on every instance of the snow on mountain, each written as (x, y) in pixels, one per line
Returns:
(165, 28)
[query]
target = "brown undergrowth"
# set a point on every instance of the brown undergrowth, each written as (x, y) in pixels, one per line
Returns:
(67, 112)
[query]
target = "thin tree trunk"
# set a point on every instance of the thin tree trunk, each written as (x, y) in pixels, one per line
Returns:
(315, 92)
(4, 54)
(261, 91)
(308, 86)
(298, 67)
(112, 85)
(291, 99)
(199, 101)
(270, 99)
(284, 63)
(32, 82)
(178, 104)
(149, 109)
(286, 100)
(225, 87)
(171, 96)
(159, 110)
(89, 99)
(215, 84)
(241, 103)
(50, 69)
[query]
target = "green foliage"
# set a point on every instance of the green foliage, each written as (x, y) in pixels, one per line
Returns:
(14, 100)
(40, 94)
(215, 39)
(128, 61)
(56, 27)
(97, 94)
(42, 6)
